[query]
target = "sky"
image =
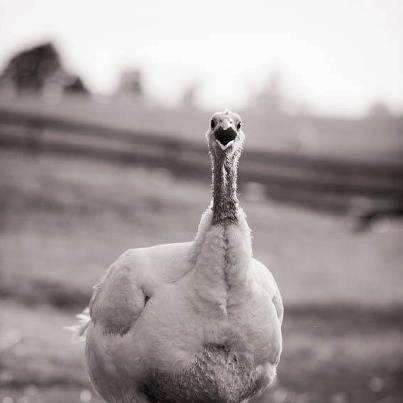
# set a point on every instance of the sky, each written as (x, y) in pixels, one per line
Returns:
(338, 57)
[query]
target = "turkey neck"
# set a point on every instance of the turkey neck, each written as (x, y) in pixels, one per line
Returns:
(224, 177)
(222, 249)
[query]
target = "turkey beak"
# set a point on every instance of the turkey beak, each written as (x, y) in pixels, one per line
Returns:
(225, 134)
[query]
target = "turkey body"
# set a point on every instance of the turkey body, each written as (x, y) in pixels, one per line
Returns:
(167, 328)
(195, 322)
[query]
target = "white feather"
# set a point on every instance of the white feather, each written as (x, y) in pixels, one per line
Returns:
(80, 328)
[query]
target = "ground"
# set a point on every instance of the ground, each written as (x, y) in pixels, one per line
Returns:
(64, 220)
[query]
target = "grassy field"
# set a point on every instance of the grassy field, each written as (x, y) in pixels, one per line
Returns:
(64, 220)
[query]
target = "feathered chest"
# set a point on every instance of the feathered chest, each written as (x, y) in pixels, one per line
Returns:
(216, 375)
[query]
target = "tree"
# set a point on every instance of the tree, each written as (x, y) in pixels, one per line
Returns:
(131, 84)
(30, 69)
(270, 97)
(40, 69)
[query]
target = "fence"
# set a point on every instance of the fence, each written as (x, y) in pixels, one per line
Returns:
(316, 182)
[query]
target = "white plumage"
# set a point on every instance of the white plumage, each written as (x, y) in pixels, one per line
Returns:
(189, 322)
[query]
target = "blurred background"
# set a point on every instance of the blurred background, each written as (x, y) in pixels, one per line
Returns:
(103, 110)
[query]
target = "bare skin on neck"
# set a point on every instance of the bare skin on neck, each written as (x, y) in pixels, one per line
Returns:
(225, 200)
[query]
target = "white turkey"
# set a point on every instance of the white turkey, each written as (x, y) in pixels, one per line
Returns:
(193, 322)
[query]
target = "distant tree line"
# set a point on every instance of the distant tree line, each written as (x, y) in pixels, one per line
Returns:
(40, 70)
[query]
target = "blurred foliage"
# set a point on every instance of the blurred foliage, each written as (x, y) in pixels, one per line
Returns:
(40, 69)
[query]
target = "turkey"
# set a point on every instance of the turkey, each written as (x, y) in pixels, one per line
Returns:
(193, 322)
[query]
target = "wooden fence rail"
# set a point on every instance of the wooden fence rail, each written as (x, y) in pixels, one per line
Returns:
(317, 182)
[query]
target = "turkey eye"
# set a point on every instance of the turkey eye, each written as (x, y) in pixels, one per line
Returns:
(213, 123)
(238, 126)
